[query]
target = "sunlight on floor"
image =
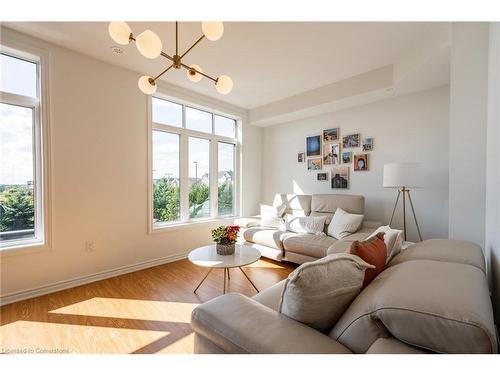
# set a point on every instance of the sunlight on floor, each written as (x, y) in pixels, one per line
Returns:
(175, 312)
(184, 345)
(264, 264)
(40, 337)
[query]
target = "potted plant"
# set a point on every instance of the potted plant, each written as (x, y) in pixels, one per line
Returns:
(225, 239)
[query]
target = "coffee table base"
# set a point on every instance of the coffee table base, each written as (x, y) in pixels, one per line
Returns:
(226, 272)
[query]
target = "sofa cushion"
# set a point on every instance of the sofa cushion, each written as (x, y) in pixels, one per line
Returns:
(271, 216)
(296, 204)
(373, 251)
(266, 236)
(247, 222)
(271, 296)
(344, 224)
(308, 244)
(438, 306)
(305, 224)
(318, 292)
(392, 346)
(443, 250)
(393, 240)
(330, 203)
(342, 245)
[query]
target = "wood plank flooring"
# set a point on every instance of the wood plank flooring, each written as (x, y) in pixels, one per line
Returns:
(147, 311)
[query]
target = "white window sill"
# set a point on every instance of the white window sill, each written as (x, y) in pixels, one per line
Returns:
(22, 247)
(162, 228)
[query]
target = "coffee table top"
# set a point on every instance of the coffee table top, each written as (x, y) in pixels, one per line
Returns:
(207, 256)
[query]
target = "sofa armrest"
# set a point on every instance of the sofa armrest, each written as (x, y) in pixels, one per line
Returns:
(247, 222)
(237, 324)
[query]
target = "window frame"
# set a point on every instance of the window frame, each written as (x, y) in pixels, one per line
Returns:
(184, 134)
(41, 141)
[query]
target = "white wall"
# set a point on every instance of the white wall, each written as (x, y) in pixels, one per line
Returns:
(99, 175)
(492, 239)
(468, 114)
(407, 128)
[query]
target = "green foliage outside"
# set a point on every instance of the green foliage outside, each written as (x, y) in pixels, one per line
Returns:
(199, 193)
(226, 198)
(166, 199)
(18, 209)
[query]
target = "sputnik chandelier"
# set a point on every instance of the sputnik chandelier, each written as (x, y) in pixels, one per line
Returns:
(149, 45)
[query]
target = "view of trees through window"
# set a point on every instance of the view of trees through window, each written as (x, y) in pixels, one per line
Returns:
(18, 91)
(168, 188)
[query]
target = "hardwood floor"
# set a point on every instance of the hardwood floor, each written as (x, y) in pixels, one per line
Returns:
(146, 311)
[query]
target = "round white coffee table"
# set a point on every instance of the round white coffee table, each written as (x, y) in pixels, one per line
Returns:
(207, 256)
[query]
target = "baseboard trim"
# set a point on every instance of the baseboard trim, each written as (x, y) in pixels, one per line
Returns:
(82, 280)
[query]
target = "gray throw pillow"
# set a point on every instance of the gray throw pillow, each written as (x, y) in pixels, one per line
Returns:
(317, 293)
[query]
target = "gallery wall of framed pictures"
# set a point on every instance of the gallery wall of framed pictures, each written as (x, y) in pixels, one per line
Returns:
(331, 156)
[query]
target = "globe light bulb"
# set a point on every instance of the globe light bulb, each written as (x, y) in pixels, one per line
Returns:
(192, 75)
(147, 85)
(148, 44)
(119, 32)
(212, 30)
(224, 85)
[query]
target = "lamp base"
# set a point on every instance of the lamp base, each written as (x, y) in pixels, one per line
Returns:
(406, 192)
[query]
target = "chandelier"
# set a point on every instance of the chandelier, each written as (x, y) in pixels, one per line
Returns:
(149, 45)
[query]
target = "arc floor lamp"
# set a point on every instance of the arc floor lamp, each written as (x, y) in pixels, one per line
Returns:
(403, 176)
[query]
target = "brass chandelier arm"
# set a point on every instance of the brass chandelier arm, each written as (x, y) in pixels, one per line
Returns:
(194, 45)
(176, 38)
(162, 73)
(197, 71)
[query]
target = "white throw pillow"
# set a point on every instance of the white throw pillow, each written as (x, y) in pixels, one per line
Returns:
(393, 240)
(317, 293)
(271, 216)
(344, 224)
(305, 224)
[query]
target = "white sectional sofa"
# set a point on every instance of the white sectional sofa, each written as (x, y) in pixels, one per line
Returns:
(282, 245)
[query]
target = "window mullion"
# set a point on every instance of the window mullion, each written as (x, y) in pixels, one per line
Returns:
(184, 169)
(214, 178)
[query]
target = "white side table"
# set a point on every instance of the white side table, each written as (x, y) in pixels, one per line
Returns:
(207, 256)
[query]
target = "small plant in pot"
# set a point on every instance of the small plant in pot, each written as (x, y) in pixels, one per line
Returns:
(225, 239)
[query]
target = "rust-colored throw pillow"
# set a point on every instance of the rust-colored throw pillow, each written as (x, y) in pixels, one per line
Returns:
(372, 251)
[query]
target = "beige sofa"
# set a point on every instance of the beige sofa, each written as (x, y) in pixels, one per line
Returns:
(431, 298)
(299, 248)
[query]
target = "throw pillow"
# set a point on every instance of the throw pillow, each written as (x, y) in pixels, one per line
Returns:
(317, 293)
(305, 224)
(393, 240)
(344, 224)
(374, 252)
(271, 216)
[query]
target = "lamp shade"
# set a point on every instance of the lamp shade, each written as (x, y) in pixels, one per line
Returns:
(212, 30)
(397, 175)
(224, 84)
(147, 85)
(120, 32)
(148, 44)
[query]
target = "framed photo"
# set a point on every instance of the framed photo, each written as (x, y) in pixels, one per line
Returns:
(330, 135)
(351, 140)
(313, 146)
(322, 177)
(314, 164)
(301, 157)
(340, 177)
(346, 157)
(331, 153)
(367, 144)
(361, 162)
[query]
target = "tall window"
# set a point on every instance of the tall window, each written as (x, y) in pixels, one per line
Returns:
(193, 163)
(21, 206)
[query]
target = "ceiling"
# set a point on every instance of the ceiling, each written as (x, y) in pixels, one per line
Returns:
(268, 61)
